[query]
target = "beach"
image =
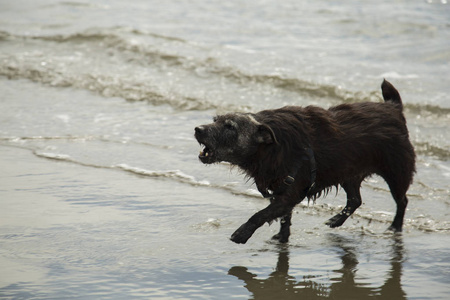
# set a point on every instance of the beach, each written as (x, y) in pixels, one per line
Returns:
(102, 194)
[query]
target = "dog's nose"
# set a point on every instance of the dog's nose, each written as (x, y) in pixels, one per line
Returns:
(199, 129)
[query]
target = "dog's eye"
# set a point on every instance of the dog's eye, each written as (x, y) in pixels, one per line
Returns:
(230, 125)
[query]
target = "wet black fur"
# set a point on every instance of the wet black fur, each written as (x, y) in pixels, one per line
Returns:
(350, 142)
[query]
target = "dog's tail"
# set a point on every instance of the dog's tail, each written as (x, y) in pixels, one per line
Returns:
(390, 93)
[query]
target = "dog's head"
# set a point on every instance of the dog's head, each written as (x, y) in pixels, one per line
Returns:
(233, 138)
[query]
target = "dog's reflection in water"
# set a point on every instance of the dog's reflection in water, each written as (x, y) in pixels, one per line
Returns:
(280, 285)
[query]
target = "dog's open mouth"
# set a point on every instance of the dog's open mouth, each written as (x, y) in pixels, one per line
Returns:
(206, 155)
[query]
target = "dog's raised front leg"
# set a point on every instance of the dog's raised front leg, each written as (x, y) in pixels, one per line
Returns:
(268, 214)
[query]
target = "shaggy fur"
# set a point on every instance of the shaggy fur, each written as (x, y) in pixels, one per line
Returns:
(347, 143)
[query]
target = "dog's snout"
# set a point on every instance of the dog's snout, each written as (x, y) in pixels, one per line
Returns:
(199, 129)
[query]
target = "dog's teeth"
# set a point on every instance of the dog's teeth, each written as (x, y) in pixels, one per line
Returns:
(206, 154)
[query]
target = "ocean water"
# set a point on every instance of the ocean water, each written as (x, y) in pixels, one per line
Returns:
(102, 194)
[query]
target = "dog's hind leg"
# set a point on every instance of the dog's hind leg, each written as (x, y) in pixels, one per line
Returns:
(285, 231)
(397, 224)
(398, 191)
(398, 186)
(353, 202)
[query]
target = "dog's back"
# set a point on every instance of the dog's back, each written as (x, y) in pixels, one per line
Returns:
(348, 140)
(363, 138)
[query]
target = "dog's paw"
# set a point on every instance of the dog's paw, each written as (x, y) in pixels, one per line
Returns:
(394, 229)
(336, 221)
(281, 238)
(243, 233)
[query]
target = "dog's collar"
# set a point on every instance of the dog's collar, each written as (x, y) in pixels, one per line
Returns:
(290, 178)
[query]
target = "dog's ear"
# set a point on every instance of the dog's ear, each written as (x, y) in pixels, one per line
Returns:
(266, 135)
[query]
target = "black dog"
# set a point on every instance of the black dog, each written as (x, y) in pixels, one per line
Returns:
(295, 152)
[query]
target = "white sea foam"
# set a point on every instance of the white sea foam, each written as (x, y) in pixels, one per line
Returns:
(50, 155)
(174, 174)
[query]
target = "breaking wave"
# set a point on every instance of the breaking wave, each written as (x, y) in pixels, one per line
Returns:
(188, 57)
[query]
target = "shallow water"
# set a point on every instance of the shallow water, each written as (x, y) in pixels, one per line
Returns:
(101, 191)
